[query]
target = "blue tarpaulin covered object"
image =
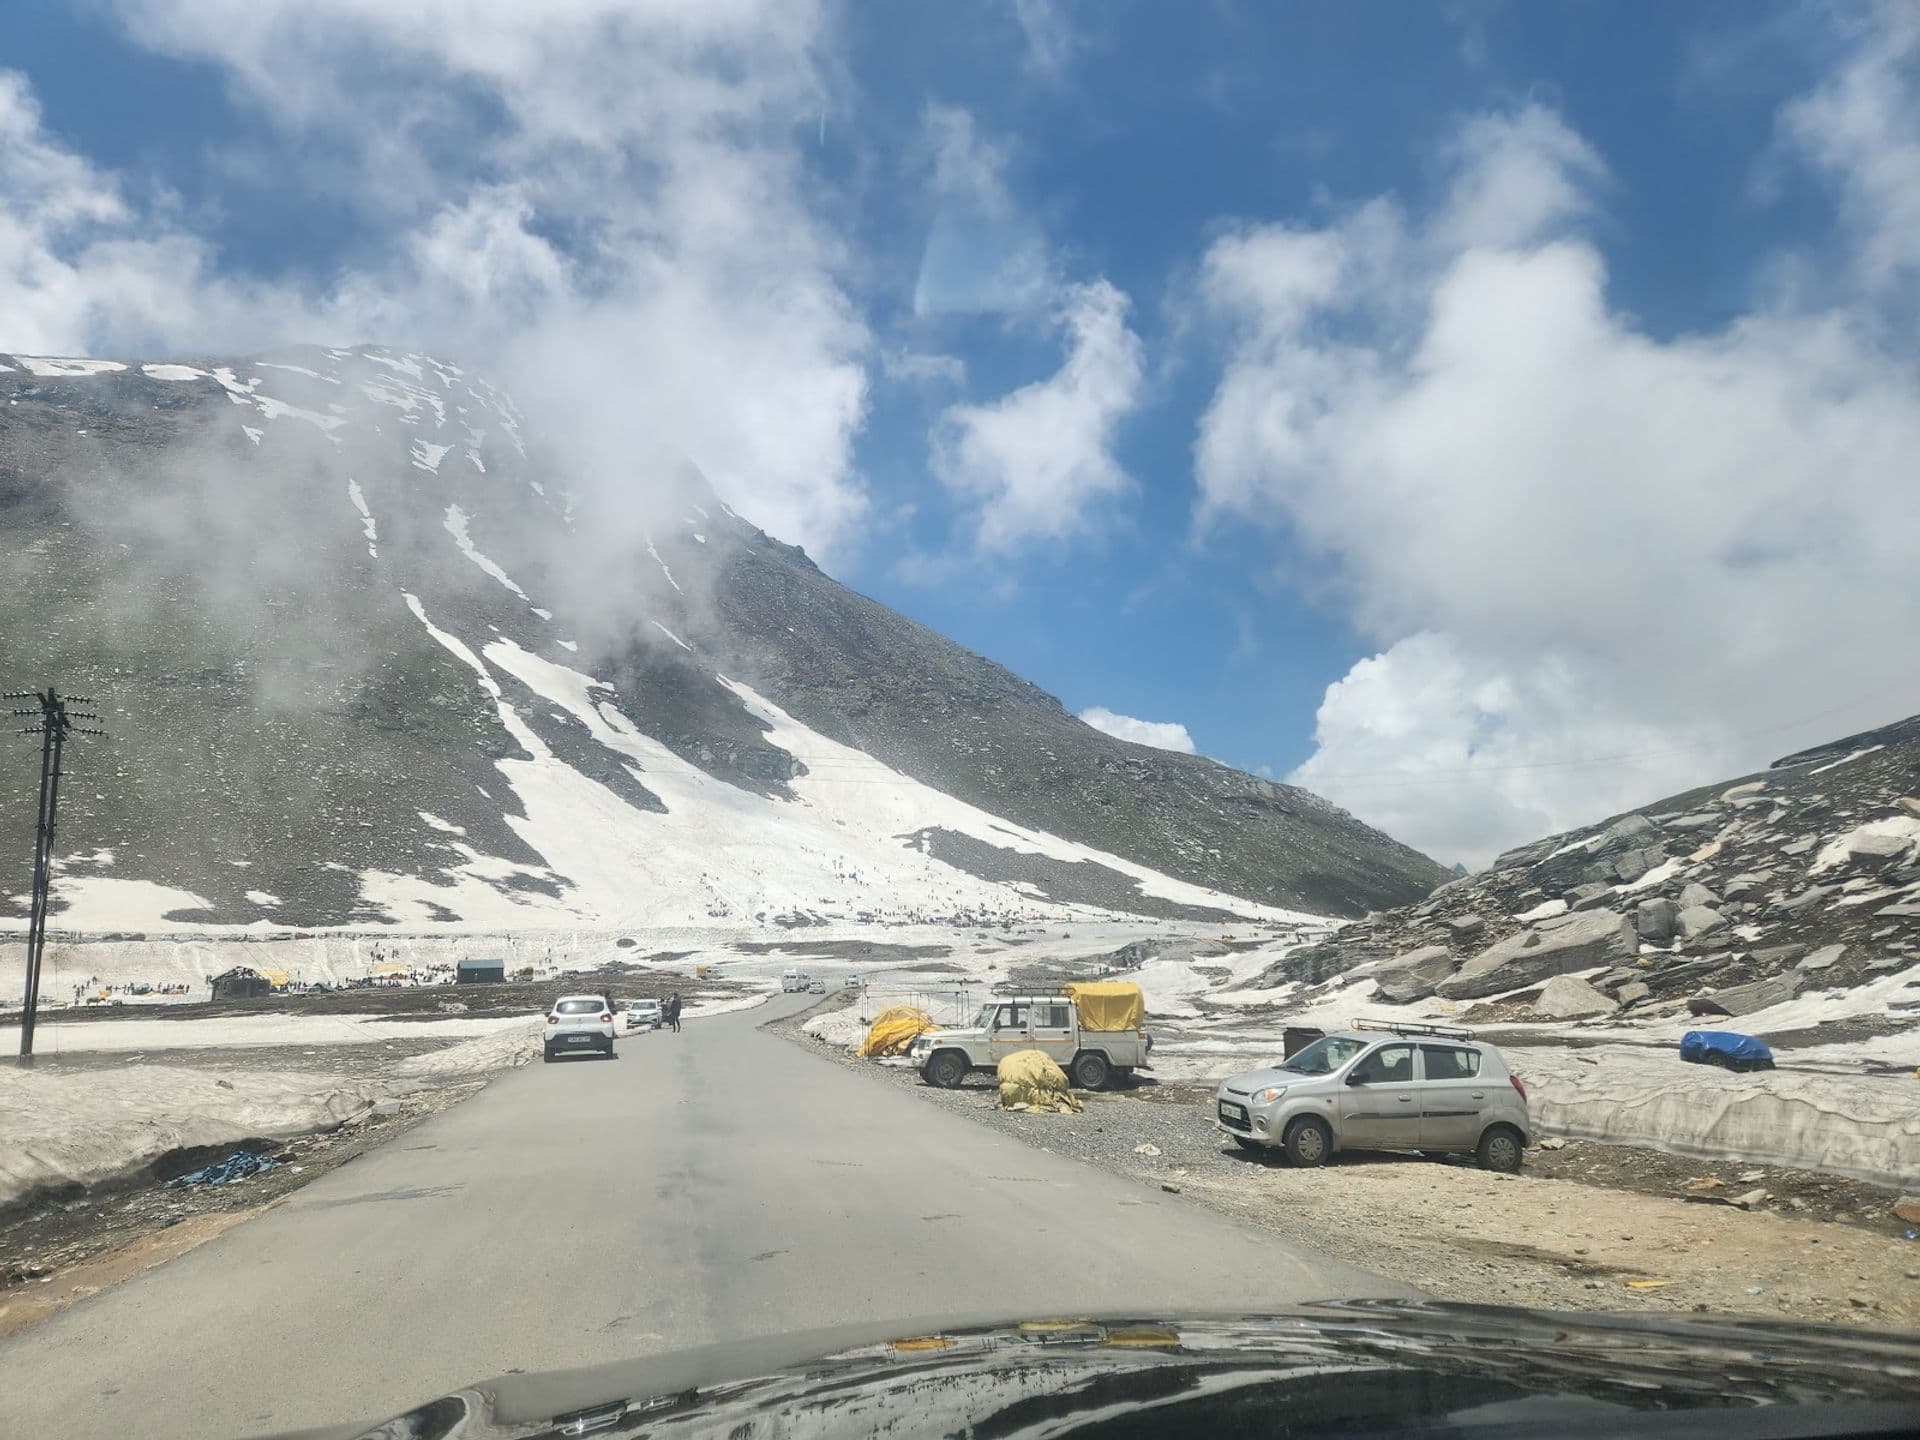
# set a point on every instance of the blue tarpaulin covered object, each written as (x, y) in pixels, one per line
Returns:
(1724, 1047)
(237, 1166)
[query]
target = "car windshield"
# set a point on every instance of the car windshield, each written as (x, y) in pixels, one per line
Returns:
(1325, 1055)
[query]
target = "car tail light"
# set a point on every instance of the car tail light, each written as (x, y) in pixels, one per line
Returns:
(553, 1019)
(1519, 1085)
(605, 1018)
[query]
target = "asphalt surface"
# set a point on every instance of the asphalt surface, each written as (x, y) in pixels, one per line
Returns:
(711, 1185)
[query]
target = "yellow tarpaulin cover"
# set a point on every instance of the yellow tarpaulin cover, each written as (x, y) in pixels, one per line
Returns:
(893, 1030)
(1108, 1004)
(1030, 1078)
(275, 978)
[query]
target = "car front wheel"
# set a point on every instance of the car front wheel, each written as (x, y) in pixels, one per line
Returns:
(947, 1069)
(1308, 1143)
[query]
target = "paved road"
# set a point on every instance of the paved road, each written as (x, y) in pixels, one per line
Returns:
(709, 1185)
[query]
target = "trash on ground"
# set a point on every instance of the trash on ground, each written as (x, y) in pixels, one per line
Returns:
(237, 1166)
(1149, 1148)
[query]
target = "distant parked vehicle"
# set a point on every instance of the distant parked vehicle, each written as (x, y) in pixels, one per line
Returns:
(643, 1015)
(1382, 1086)
(1095, 1031)
(816, 987)
(794, 980)
(580, 1024)
(852, 982)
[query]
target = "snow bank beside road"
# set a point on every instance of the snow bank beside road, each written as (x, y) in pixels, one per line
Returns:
(91, 1125)
(1865, 1127)
(84, 1126)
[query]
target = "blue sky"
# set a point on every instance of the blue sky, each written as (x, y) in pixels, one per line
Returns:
(1393, 396)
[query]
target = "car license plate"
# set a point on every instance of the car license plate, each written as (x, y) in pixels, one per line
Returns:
(578, 1039)
(1229, 1111)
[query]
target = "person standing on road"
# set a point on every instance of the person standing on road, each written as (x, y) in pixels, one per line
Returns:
(673, 1012)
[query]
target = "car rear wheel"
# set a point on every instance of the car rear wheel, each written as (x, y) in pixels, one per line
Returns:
(1500, 1150)
(1091, 1070)
(1308, 1142)
(946, 1068)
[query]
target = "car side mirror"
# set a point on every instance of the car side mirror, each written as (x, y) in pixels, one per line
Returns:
(1356, 1079)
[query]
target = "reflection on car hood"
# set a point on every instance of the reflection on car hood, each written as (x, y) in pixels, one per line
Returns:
(1358, 1367)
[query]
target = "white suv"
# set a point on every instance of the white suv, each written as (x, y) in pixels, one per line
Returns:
(580, 1023)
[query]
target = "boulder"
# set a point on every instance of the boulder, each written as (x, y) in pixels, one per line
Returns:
(1581, 941)
(1697, 920)
(1822, 959)
(1465, 926)
(1797, 847)
(1774, 956)
(1412, 976)
(1567, 997)
(1745, 999)
(1630, 865)
(1745, 884)
(1633, 992)
(1694, 893)
(1595, 902)
(1699, 820)
(1579, 894)
(1311, 965)
(1654, 920)
(1794, 904)
(1629, 832)
(1522, 855)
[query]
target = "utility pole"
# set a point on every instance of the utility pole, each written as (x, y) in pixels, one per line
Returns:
(56, 723)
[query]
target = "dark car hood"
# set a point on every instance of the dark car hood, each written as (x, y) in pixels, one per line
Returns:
(1372, 1367)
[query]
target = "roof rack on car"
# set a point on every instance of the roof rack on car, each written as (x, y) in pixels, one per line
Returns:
(1407, 1027)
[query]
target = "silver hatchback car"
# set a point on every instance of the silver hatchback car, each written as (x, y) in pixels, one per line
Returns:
(1381, 1086)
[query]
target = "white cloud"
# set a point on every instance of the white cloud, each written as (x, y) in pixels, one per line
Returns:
(1862, 127)
(695, 305)
(1034, 462)
(1160, 734)
(983, 254)
(83, 267)
(1050, 35)
(1599, 564)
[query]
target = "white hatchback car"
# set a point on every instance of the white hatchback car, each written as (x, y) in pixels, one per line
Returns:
(643, 1015)
(579, 1024)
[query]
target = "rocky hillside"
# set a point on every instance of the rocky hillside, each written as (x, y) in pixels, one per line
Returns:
(369, 655)
(1719, 902)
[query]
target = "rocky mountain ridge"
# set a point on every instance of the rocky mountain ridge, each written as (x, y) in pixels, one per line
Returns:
(367, 661)
(1722, 902)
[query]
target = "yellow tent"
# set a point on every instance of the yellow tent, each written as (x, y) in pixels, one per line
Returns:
(1030, 1078)
(1108, 1004)
(894, 1029)
(275, 978)
(391, 967)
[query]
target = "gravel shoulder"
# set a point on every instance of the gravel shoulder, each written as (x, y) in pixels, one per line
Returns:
(1584, 1227)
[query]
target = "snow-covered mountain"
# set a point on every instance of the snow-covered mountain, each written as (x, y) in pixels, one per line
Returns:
(364, 664)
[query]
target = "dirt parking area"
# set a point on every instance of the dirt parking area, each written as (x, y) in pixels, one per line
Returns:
(1583, 1227)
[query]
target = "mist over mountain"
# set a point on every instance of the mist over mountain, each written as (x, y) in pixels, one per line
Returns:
(371, 654)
